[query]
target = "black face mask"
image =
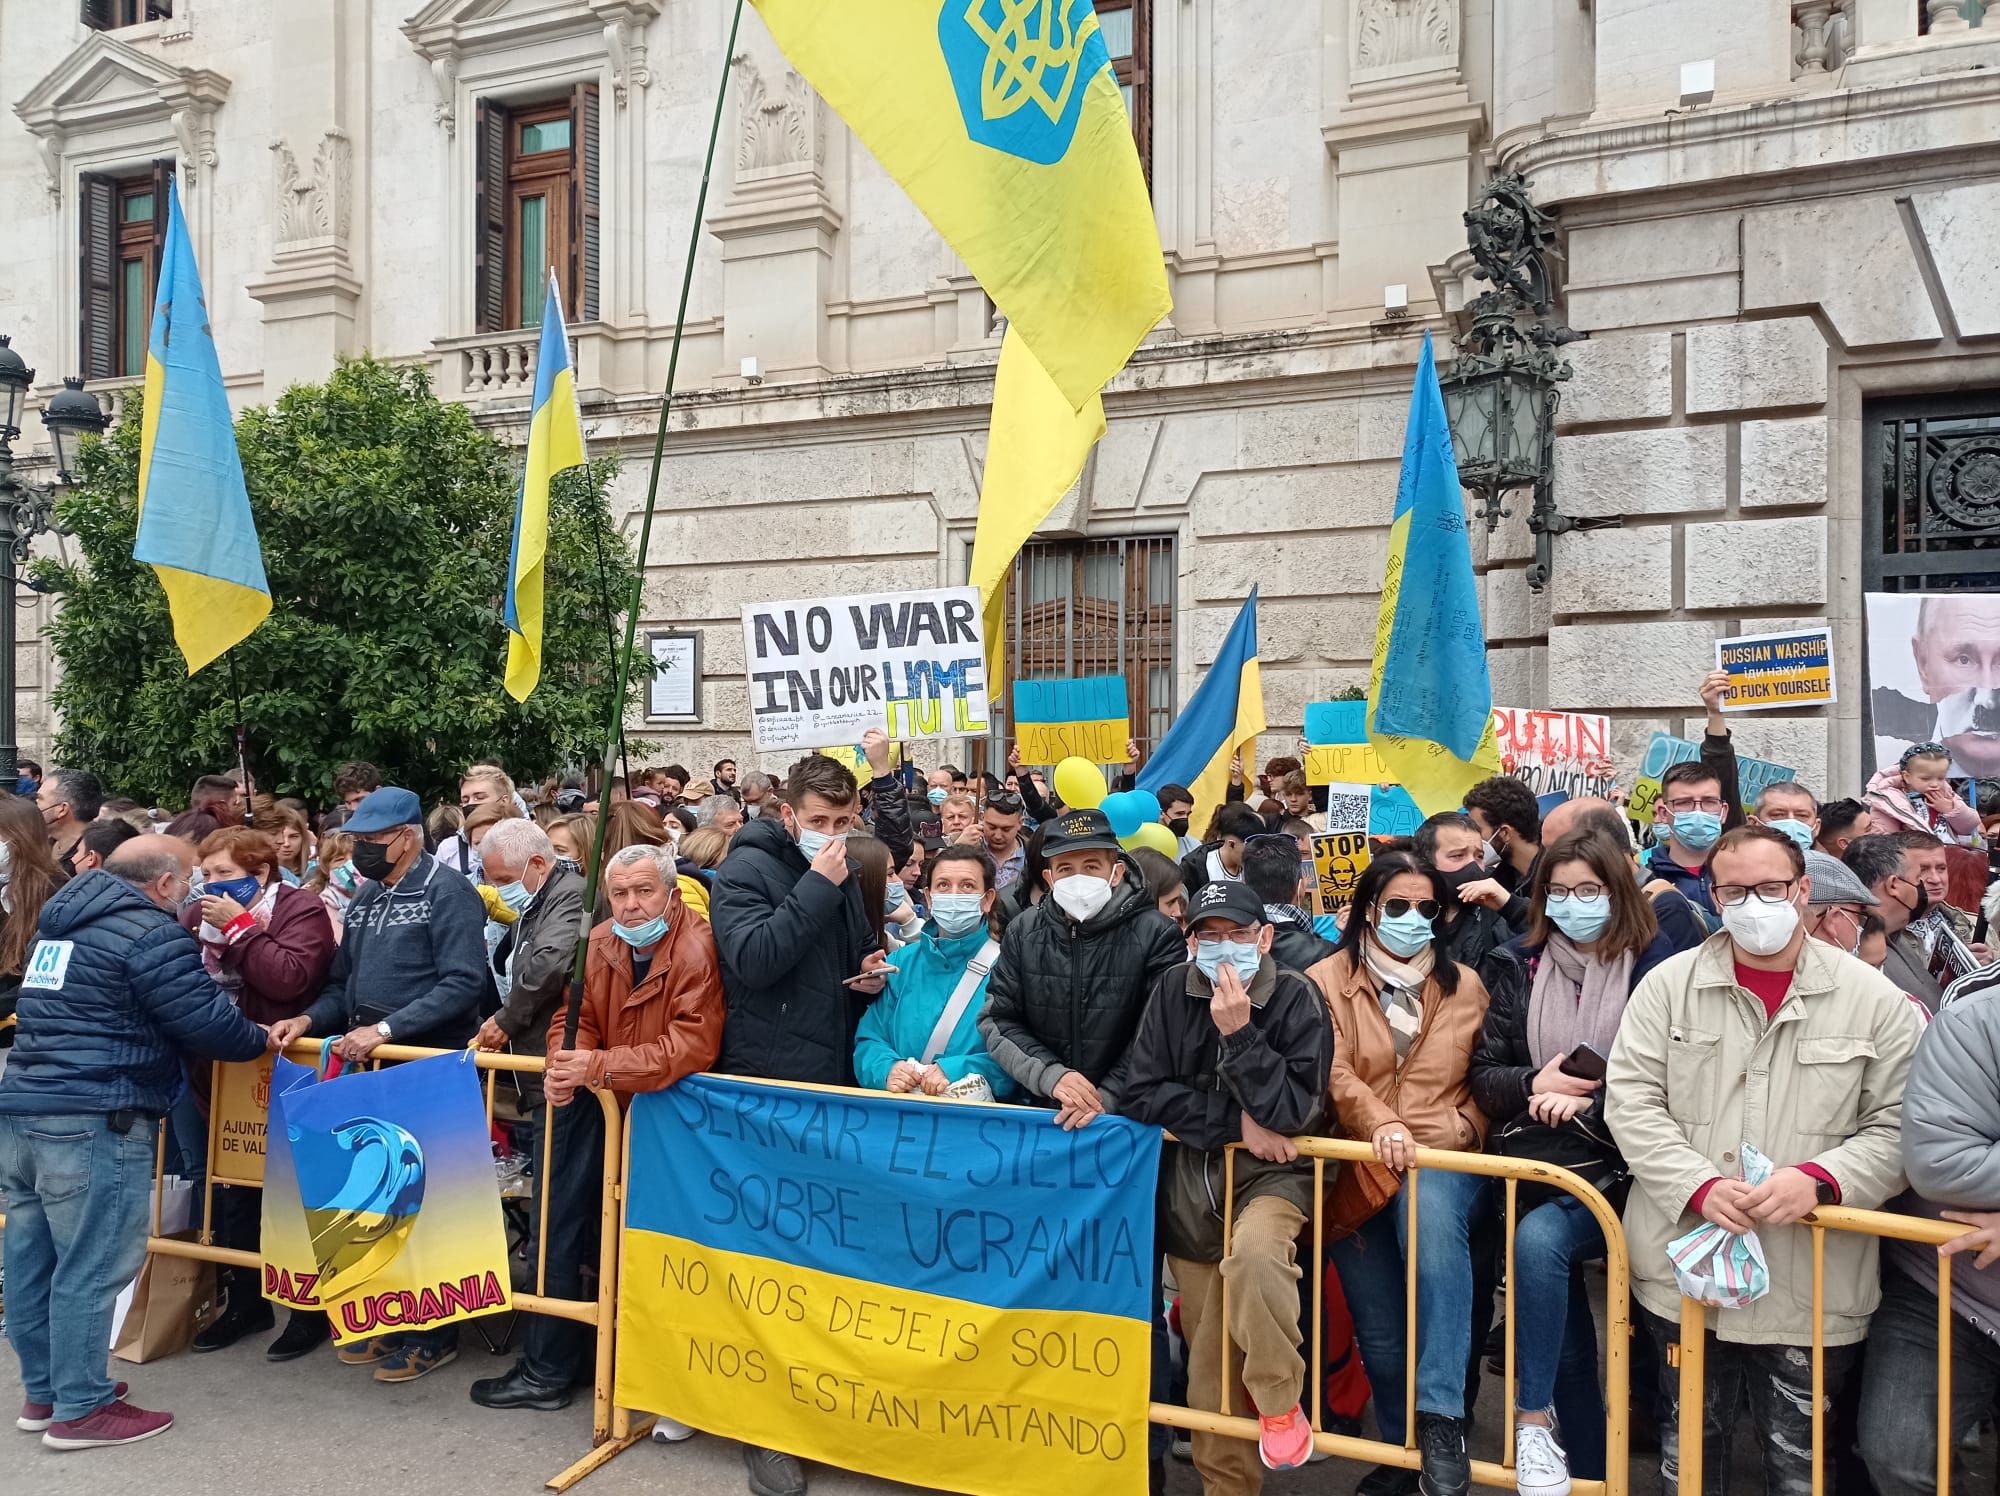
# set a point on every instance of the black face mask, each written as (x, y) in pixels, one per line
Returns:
(1178, 825)
(372, 860)
(1472, 872)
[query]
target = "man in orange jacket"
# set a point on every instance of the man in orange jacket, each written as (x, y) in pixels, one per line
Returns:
(652, 1013)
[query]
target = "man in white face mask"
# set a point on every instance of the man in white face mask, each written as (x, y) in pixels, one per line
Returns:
(1761, 1038)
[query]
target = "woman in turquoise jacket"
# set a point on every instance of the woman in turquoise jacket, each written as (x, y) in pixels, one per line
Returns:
(891, 1048)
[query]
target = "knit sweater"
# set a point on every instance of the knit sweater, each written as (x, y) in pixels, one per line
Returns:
(413, 954)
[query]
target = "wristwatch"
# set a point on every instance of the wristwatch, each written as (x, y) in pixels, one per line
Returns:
(382, 1028)
(1825, 1192)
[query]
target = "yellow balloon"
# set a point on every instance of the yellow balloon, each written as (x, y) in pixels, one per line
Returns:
(1080, 783)
(1156, 836)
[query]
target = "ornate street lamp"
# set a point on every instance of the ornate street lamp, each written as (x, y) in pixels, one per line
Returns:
(28, 509)
(1501, 392)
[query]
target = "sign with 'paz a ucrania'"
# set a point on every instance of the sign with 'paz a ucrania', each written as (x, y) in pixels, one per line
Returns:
(943, 1293)
(824, 670)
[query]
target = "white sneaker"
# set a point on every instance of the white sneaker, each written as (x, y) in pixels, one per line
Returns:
(672, 1431)
(1540, 1466)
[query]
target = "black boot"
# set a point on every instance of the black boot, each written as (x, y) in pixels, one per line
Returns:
(1441, 1446)
(304, 1333)
(518, 1390)
(239, 1317)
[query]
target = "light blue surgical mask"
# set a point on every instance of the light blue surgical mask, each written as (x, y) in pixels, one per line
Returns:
(896, 896)
(1582, 920)
(515, 895)
(1404, 934)
(652, 932)
(1209, 955)
(937, 797)
(957, 914)
(812, 843)
(1697, 830)
(1800, 832)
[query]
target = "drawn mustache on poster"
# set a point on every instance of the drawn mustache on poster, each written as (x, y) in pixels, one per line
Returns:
(1967, 722)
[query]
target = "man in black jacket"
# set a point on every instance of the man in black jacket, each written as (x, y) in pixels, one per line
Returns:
(1271, 871)
(1235, 1049)
(1074, 971)
(1450, 842)
(1221, 856)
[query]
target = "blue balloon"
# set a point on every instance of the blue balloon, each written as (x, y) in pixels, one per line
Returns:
(1149, 805)
(1126, 811)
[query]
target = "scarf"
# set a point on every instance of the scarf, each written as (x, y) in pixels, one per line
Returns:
(1400, 991)
(1575, 999)
(213, 944)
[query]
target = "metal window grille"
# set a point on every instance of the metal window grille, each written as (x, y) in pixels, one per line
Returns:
(1931, 494)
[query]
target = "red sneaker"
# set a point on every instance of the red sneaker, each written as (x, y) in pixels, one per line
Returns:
(37, 1416)
(117, 1422)
(1284, 1443)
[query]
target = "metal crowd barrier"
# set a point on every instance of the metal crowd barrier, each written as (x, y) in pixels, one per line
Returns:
(1694, 1339)
(1618, 1317)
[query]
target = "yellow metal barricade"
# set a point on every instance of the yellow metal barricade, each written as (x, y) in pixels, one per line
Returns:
(1513, 1172)
(1877, 1223)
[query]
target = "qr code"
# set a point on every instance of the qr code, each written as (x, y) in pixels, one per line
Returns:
(1347, 812)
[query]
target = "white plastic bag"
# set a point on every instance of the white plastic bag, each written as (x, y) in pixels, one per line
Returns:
(1715, 1265)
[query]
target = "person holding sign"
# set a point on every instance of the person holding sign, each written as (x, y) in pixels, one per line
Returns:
(1235, 1049)
(922, 1033)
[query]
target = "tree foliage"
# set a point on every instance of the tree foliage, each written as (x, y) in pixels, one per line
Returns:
(386, 517)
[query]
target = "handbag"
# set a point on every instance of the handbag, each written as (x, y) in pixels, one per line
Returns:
(1583, 1145)
(1358, 1193)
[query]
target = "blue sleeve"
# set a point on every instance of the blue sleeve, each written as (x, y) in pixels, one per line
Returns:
(458, 950)
(966, 1053)
(176, 992)
(874, 1047)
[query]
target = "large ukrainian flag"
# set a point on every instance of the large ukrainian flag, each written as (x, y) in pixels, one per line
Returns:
(555, 443)
(1430, 698)
(1003, 121)
(195, 527)
(1221, 721)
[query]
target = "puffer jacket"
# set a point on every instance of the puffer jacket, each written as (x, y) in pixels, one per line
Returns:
(1186, 1077)
(1889, 802)
(788, 940)
(899, 1023)
(1296, 945)
(1066, 996)
(132, 1000)
(1698, 1070)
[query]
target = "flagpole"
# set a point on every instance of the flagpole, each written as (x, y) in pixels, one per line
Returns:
(614, 729)
(610, 626)
(242, 748)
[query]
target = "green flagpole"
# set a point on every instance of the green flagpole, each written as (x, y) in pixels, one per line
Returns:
(615, 726)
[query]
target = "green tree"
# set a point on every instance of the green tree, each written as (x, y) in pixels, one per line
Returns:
(386, 517)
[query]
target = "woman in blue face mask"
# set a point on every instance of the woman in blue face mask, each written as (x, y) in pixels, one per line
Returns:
(1557, 996)
(1405, 1017)
(922, 1033)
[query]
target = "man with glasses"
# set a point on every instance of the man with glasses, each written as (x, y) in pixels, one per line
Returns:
(1881, 864)
(1001, 827)
(1760, 1036)
(1689, 818)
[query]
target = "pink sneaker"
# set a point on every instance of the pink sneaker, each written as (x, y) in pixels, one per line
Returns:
(1285, 1443)
(37, 1416)
(117, 1422)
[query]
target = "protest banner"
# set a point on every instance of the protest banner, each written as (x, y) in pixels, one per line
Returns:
(1347, 806)
(1085, 717)
(1339, 860)
(1339, 756)
(824, 670)
(240, 1106)
(1565, 753)
(1933, 677)
(932, 1292)
(1752, 774)
(1769, 671)
(381, 1205)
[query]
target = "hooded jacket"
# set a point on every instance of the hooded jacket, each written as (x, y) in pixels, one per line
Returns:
(1066, 996)
(1886, 798)
(899, 1022)
(788, 941)
(115, 997)
(1185, 1076)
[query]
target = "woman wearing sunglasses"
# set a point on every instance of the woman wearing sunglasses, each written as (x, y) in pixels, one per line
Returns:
(1557, 996)
(1405, 1019)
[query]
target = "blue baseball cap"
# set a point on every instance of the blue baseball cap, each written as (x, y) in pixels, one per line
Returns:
(384, 810)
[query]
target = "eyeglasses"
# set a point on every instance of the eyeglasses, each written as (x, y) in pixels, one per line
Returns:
(1397, 908)
(1729, 895)
(1580, 891)
(1712, 805)
(1006, 804)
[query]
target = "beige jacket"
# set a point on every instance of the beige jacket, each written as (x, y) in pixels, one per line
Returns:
(1697, 1071)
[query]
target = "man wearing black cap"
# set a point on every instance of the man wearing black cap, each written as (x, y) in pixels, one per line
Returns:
(1234, 1049)
(411, 969)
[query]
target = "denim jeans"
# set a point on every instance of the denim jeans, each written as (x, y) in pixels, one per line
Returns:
(1898, 1425)
(1371, 1265)
(78, 1196)
(1555, 1338)
(1776, 1382)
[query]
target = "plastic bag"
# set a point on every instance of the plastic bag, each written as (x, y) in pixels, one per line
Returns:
(1718, 1267)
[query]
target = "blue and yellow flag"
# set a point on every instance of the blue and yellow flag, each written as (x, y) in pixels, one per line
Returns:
(1003, 121)
(195, 527)
(1221, 721)
(1430, 698)
(555, 443)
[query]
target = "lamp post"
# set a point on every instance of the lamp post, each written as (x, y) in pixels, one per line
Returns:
(1502, 391)
(28, 509)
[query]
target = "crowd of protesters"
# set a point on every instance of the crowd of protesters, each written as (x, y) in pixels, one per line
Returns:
(1646, 1005)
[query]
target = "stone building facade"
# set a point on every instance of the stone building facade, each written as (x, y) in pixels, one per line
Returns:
(1776, 220)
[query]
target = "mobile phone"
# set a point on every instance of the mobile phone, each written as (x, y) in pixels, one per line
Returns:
(1584, 1062)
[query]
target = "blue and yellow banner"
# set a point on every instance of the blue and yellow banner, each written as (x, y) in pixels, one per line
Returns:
(195, 526)
(381, 1205)
(952, 1295)
(1073, 717)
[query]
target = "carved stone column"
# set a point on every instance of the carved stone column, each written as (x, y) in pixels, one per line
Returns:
(310, 290)
(778, 223)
